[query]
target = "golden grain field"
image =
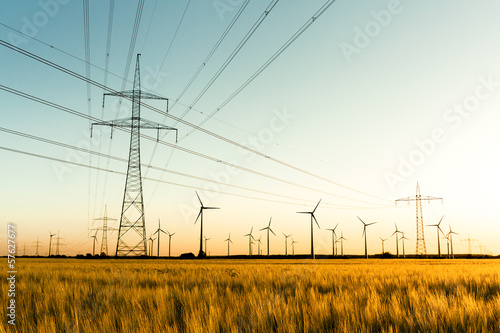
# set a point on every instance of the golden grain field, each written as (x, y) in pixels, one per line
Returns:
(71, 295)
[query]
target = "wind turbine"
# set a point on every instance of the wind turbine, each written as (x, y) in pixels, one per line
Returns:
(93, 243)
(438, 229)
(286, 243)
(200, 214)
(250, 237)
(312, 227)
(383, 240)
(258, 246)
(228, 240)
(169, 241)
(342, 239)
(364, 234)
(159, 231)
(206, 240)
(397, 240)
(151, 248)
(334, 239)
(293, 246)
(268, 228)
(403, 239)
(447, 244)
(50, 241)
(450, 234)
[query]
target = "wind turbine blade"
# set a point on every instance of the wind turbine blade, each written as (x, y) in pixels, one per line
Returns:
(269, 222)
(440, 221)
(316, 206)
(364, 230)
(263, 229)
(314, 218)
(199, 214)
(335, 227)
(211, 207)
(303, 212)
(271, 230)
(371, 223)
(201, 203)
(361, 220)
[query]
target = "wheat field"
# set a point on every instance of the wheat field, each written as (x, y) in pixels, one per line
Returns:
(71, 295)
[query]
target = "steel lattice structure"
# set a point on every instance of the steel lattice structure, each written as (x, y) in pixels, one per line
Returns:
(420, 246)
(132, 229)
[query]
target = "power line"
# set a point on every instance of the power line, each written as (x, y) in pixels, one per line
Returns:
(87, 151)
(220, 137)
(171, 42)
(106, 72)
(146, 178)
(82, 115)
(233, 54)
(269, 62)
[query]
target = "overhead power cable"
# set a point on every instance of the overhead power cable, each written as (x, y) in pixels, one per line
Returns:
(145, 178)
(213, 159)
(220, 137)
(269, 62)
(88, 151)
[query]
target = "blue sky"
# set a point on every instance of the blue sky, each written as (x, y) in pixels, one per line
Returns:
(414, 98)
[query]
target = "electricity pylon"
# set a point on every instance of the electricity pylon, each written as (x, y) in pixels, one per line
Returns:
(104, 229)
(132, 229)
(420, 247)
(37, 246)
(469, 244)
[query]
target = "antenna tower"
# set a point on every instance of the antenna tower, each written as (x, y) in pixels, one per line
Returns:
(132, 229)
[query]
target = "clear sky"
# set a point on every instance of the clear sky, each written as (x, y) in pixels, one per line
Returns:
(374, 95)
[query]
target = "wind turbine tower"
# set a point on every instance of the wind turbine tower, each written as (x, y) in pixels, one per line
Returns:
(50, 241)
(268, 228)
(383, 240)
(397, 240)
(159, 231)
(132, 229)
(334, 240)
(250, 242)
(169, 241)
(438, 229)
(93, 243)
(312, 227)
(420, 247)
(293, 246)
(364, 234)
(342, 239)
(286, 243)
(201, 254)
(228, 240)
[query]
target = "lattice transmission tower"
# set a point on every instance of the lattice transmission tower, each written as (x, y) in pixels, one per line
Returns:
(104, 229)
(132, 229)
(420, 247)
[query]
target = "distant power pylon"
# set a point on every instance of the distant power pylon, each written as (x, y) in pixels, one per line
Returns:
(24, 249)
(132, 229)
(104, 229)
(469, 243)
(420, 247)
(58, 243)
(37, 246)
